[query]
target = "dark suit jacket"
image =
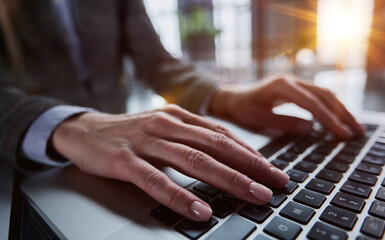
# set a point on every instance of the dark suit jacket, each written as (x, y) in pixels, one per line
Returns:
(108, 30)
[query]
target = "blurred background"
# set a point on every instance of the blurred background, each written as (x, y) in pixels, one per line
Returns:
(337, 44)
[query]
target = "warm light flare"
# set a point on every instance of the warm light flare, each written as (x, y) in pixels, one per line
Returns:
(343, 22)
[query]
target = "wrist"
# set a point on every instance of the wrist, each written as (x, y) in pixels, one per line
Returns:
(69, 132)
(222, 102)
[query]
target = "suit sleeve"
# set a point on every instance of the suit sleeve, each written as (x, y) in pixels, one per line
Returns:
(17, 112)
(176, 81)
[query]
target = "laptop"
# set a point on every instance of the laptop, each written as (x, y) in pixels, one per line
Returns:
(336, 191)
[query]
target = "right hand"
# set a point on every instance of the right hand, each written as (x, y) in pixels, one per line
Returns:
(132, 147)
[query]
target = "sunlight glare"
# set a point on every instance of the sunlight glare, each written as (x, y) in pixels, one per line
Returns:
(343, 22)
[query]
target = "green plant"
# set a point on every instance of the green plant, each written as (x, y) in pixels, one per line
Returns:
(197, 24)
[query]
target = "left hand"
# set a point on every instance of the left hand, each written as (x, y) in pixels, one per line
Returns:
(252, 105)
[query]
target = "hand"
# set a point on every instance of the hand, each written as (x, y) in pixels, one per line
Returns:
(252, 106)
(131, 147)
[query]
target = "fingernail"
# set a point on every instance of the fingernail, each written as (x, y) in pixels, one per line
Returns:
(304, 128)
(348, 133)
(260, 192)
(278, 176)
(201, 211)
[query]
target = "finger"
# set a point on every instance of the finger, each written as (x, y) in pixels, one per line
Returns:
(225, 150)
(305, 99)
(199, 165)
(336, 106)
(160, 187)
(265, 118)
(193, 119)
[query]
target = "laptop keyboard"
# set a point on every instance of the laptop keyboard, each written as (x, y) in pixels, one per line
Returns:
(335, 192)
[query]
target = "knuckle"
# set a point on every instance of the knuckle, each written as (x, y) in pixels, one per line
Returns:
(122, 153)
(222, 141)
(236, 178)
(159, 116)
(256, 163)
(153, 181)
(172, 108)
(196, 160)
(283, 82)
(159, 119)
(176, 197)
(221, 129)
(118, 167)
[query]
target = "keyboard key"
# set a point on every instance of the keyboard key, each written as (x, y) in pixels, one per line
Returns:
(348, 202)
(323, 150)
(298, 149)
(282, 228)
(255, 213)
(232, 198)
(357, 189)
(369, 168)
(201, 196)
(206, 189)
(279, 163)
(310, 140)
(221, 208)
(337, 166)
(330, 143)
(320, 186)
(379, 146)
(329, 175)
(376, 153)
(194, 230)
(351, 150)
(356, 144)
(374, 160)
(365, 178)
(261, 237)
(234, 228)
(381, 140)
(381, 194)
(316, 134)
(358, 140)
(339, 217)
(373, 227)
(297, 212)
(370, 127)
(310, 198)
(361, 237)
(290, 187)
(377, 209)
(314, 158)
(288, 156)
(277, 199)
(322, 231)
(166, 215)
(306, 166)
(344, 158)
(297, 176)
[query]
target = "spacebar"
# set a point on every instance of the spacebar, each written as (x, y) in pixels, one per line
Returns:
(234, 228)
